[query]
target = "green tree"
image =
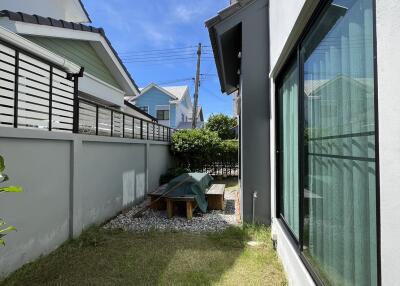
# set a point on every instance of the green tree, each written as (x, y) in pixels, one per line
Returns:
(10, 189)
(223, 125)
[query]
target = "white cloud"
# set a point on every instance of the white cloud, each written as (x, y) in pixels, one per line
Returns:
(184, 13)
(187, 13)
(155, 35)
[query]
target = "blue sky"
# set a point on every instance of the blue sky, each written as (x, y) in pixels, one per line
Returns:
(139, 29)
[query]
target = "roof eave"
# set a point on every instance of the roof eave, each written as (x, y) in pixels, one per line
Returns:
(19, 17)
(217, 56)
(39, 51)
(211, 26)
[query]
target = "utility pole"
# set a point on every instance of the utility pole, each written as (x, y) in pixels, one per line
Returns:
(196, 88)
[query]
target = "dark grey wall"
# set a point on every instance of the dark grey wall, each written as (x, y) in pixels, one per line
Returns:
(255, 119)
(70, 182)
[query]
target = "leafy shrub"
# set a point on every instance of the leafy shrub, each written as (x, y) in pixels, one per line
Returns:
(193, 147)
(10, 189)
(229, 151)
(223, 125)
(196, 148)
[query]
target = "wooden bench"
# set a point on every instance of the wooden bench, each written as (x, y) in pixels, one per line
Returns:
(215, 197)
(156, 202)
(190, 205)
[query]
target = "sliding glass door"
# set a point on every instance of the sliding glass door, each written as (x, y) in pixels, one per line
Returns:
(336, 225)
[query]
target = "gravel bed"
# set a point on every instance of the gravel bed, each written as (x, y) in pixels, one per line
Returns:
(212, 221)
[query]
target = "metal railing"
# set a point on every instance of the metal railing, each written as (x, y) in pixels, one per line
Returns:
(98, 119)
(229, 169)
(36, 94)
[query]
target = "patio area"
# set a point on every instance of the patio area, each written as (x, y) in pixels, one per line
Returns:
(237, 255)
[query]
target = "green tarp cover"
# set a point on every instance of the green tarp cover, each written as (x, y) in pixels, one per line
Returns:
(194, 184)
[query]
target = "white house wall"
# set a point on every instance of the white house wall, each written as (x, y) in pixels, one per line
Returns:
(67, 10)
(101, 90)
(287, 21)
(388, 42)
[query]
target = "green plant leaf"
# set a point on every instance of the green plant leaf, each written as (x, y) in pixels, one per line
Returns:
(11, 189)
(2, 166)
(7, 229)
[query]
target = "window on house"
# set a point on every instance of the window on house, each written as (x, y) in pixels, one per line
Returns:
(288, 154)
(163, 114)
(329, 202)
(144, 108)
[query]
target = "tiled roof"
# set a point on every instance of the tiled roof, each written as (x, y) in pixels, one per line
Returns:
(47, 21)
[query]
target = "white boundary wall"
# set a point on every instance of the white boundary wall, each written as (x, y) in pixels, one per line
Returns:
(70, 182)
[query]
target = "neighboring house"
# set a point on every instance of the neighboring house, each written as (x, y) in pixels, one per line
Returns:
(104, 81)
(59, 27)
(171, 105)
(315, 147)
(131, 109)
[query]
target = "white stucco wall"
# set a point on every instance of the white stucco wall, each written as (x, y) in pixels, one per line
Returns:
(287, 21)
(388, 42)
(283, 15)
(68, 10)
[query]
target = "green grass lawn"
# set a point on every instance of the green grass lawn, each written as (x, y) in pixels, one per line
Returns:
(101, 257)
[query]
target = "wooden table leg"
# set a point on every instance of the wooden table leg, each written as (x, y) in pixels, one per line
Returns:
(170, 208)
(189, 210)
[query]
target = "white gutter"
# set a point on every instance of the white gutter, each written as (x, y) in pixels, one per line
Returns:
(22, 43)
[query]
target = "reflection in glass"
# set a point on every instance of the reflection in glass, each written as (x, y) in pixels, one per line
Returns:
(340, 189)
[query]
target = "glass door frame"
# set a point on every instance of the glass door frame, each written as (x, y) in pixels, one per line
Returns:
(294, 56)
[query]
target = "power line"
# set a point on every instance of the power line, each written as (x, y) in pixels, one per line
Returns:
(159, 50)
(164, 55)
(162, 51)
(172, 59)
(219, 98)
(177, 61)
(159, 56)
(176, 81)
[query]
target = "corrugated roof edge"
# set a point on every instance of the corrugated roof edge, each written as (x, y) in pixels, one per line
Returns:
(47, 21)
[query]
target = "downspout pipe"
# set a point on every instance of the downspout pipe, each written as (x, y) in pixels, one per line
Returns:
(254, 206)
